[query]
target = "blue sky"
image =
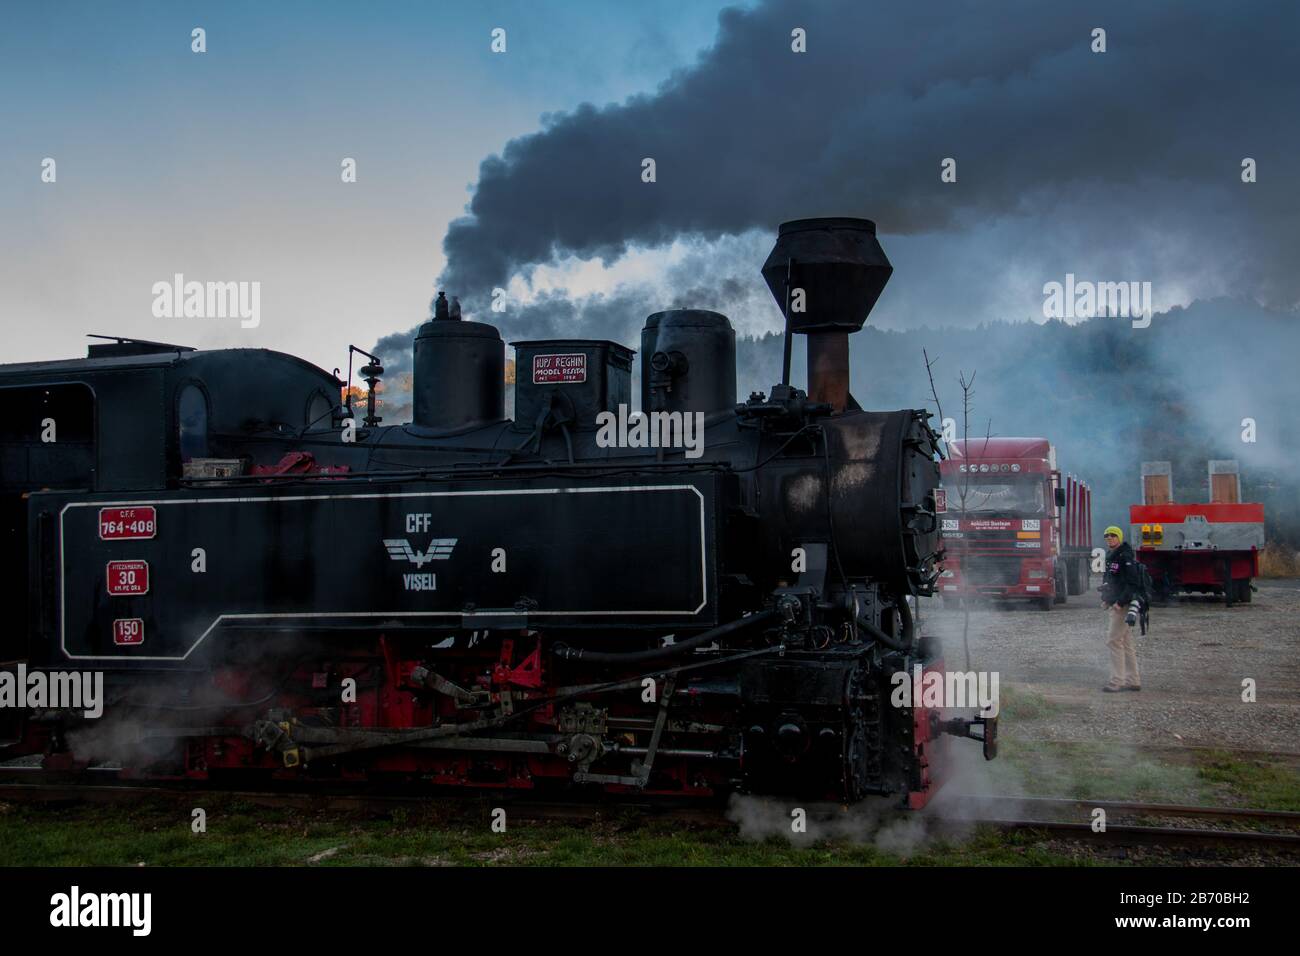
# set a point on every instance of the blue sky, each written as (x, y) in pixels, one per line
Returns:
(226, 165)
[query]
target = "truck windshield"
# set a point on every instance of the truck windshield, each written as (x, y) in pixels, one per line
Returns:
(1001, 495)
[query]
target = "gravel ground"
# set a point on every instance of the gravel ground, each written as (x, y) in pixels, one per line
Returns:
(1192, 660)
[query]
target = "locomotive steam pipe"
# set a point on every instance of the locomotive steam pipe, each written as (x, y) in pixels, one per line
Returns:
(905, 614)
(894, 643)
(828, 369)
(564, 652)
(787, 335)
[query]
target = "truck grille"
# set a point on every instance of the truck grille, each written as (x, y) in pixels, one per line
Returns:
(991, 571)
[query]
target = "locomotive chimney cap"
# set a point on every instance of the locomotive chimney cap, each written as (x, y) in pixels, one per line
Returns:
(833, 270)
(440, 310)
(821, 223)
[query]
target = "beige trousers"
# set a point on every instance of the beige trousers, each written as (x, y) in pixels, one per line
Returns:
(1123, 653)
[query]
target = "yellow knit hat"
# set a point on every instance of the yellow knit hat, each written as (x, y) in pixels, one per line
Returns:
(1115, 531)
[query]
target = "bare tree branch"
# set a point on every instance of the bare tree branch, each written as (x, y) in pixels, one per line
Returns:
(929, 365)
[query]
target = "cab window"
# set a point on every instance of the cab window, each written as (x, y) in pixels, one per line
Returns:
(192, 419)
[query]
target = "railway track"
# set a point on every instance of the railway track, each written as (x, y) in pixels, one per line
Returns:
(1133, 835)
(1286, 818)
(1072, 819)
(1067, 819)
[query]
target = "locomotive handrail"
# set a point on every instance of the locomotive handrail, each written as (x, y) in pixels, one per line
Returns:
(467, 470)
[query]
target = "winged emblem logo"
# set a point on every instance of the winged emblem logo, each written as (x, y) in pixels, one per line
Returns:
(439, 549)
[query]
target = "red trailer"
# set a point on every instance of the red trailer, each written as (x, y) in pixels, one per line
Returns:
(1013, 526)
(1204, 548)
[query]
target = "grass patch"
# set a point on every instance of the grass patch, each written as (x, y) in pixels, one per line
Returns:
(1088, 771)
(1251, 781)
(1021, 704)
(155, 831)
(158, 834)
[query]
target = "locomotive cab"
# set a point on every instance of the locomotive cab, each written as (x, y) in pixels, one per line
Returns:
(128, 418)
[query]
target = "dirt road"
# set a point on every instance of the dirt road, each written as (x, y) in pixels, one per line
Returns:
(1193, 661)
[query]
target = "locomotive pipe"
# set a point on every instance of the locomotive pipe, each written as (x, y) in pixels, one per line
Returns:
(901, 643)
(788, 335)
(567, 653)
(828, 369)
(909, 625)
(672, 752)
(896, 643)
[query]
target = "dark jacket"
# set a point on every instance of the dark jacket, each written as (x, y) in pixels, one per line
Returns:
(1120, 582)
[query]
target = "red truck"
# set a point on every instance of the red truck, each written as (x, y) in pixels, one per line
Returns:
(1013, 527)
(1212, 547)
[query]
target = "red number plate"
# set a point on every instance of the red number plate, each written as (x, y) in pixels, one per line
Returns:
(128, 577)
(119, 524)
(128, 631)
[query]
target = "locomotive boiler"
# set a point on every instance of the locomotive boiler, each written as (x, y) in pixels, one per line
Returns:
(277, 588)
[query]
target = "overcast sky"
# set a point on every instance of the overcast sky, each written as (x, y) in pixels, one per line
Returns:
(225, 165)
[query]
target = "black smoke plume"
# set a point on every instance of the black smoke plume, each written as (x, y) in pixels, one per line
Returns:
(1144, 141)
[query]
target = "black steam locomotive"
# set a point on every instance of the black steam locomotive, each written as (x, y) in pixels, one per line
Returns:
(277, 590)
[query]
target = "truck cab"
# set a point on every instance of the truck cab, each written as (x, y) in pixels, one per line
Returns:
(1013, 527)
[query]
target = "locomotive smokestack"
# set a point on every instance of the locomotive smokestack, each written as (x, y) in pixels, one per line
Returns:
(826, 275)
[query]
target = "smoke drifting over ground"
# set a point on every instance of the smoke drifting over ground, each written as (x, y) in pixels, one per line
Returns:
(876, 821)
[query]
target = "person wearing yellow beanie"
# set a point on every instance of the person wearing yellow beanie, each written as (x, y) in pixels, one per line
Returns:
(1119, 586)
